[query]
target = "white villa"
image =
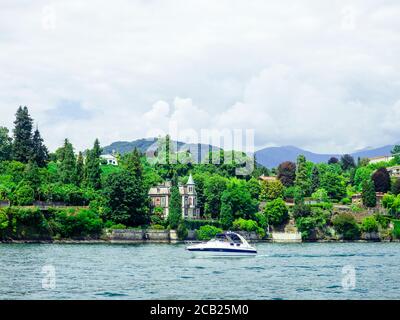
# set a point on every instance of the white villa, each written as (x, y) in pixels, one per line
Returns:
(160, 197)
(110, 159)
(394, 171)
(380, 159)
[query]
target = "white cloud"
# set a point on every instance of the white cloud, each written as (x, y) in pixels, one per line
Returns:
(316, 75)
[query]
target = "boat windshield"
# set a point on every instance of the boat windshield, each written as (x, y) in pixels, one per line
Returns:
(228, 238)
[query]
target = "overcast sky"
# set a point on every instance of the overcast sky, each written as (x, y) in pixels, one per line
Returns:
(322, 75)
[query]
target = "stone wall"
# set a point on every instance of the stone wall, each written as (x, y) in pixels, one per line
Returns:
(134, 235)
(286, 237)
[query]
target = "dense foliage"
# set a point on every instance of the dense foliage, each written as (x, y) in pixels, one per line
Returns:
(117, 196)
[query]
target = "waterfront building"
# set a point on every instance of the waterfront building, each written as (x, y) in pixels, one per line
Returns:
(160, 196)
(109, 159)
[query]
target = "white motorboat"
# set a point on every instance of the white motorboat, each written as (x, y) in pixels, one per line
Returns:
(224, 244)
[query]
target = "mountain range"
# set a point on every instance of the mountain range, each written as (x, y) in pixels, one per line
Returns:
(269, 157)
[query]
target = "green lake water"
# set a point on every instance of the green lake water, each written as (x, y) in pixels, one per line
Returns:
(163, 271)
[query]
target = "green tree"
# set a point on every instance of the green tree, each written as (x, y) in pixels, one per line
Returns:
(302, 181)
(213, 189)
(271, 190)
(125, 201)
(238, 197)
(334, 184)
(314, 179)
(368, 194)
(22, 144)
(362, 174)
(226, 215)
(396, 153)
(369, 224)
(175, 208)
(199, 179)
(254, 187)
(40, 153)
(67, 166)
(80, 169)
(92, 169)
(345, 224)
(276, 212)
(32, 175)
(5, 144)
(320, 195)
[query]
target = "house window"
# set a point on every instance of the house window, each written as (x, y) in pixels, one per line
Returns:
(163, 202)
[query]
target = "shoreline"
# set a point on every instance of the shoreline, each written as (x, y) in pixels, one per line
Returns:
(119, 242)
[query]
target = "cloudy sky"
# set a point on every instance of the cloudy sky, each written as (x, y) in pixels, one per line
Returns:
(316, 74)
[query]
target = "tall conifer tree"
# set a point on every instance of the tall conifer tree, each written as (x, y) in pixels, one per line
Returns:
(22, 144)
(92, 169)
(67, 167)
(40, 153)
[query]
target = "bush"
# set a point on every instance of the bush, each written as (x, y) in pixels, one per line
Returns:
(346, 225)
(207, 232)
(24, 196)
(157, 227)
(119, 226)
(197, 224)
(382, 220)
(276, 212)
(345, 201)
(82, 223)
(245, 225)
(301, 210)
(308, 225)
(289, 193)
(249, 226)
(396, 229)
(369, 224)
(261, 220)
(182, 231)
(21, 223)
(155, 219)
(320, 195)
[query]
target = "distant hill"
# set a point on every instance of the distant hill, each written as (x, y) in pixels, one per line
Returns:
(269, 157)
(198, 151)
(272, 156)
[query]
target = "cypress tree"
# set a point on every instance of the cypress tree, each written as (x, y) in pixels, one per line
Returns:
(32, 175)
(22, 145)
(226, 215)
(175, 204)
(368, 194)
(40, 153)
(134, 164)
(314, 179)
(67, 166)
(5, 144)
(80, 169)
(301, 182)
(93, 171)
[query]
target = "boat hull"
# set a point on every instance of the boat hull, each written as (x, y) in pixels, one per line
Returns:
(218, 252)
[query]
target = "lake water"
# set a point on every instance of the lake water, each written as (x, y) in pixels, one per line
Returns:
(163, 271)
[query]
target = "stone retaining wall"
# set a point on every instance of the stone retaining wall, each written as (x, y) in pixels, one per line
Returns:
(140, 235)
(286, 237)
